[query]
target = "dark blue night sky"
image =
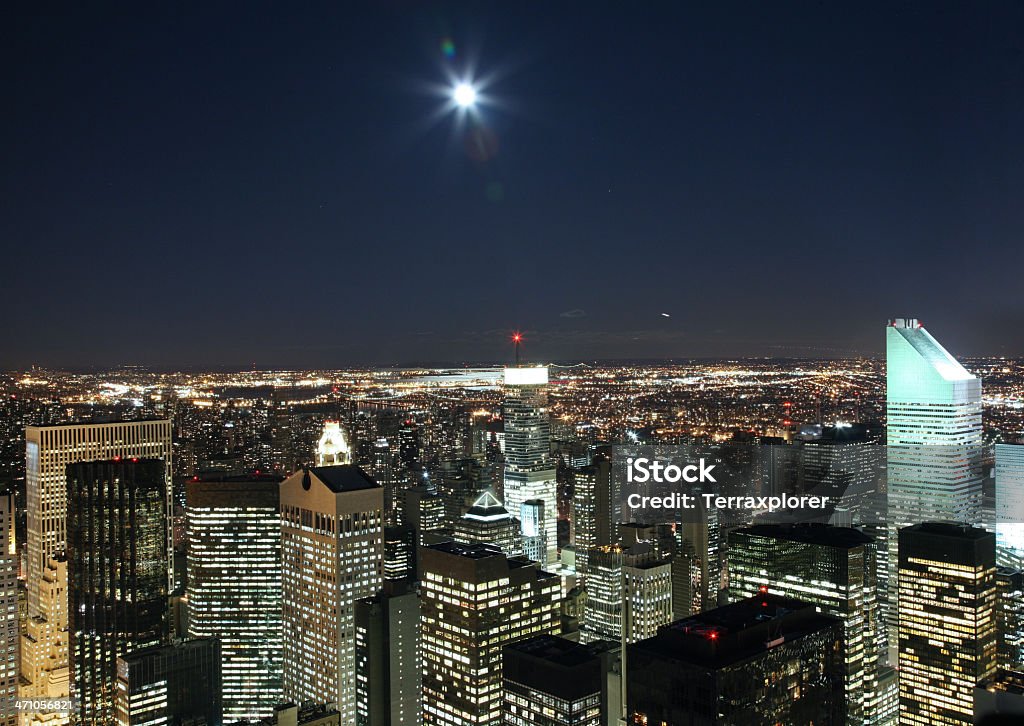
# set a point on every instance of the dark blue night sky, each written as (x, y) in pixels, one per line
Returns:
(241, 184)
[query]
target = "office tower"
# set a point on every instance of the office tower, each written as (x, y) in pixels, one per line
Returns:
(399, 553)
(170, 684)
(629, 592)
(48, 451)
(458, 483)
(8, 611)
(1009, 476)
(691, 571)
(933, 432)
(331, 555)
(555, 681)
(332, 449)
(281, 438)
(594, 507)
(117, 566)
(1010, 618)
(947, 621)
(389, 679)
(839, 462)
(233, 530)
(488, 522)
(476, 601)
(529, 469)
(409, 450)
(44, 664)
(765, 660)
(831, 567)
(533, 529)
(425, 512)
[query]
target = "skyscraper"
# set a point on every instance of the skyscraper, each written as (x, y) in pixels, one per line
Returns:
(933, 409)
(933, 433)
(117, 566)
(529, 469)
(533, 517)
(1010, 618)
(44, 664)
(1009, 476)
(233, 530)
(170, 684)
(629, 592)
(594, 523)
(332, 449)
(831, 567)
(48, 451)
(947, 620)
(388, 659)
(557, 682)
(475, 601)
(8, 611)
(488, 522)
(764, 660)
(331, 555)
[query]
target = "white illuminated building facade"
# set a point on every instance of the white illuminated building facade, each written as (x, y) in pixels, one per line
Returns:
(934, 440)
(629, 593)
(48, 451)
(933, 409)
(332, 449)
(475, 602)
(8, 612)
(1009, 476)
(529, 469)
(331, 555)
(234, 587)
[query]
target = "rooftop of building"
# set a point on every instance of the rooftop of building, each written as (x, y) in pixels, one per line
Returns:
(815, 533)
(1005, 681)
(213, 478)
(343, 478)
(949, 529)
(717, 638)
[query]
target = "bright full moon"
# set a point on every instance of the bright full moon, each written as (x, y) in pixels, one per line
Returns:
(464, 95)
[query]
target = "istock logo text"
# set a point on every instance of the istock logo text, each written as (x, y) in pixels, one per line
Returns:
(642, 470)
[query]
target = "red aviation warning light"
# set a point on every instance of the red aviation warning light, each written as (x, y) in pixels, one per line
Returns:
(517, 338)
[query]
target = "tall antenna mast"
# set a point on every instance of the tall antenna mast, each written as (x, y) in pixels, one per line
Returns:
(517, 338)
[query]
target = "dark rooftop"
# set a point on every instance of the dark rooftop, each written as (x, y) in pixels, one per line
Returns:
(343, 478)
(811, 533)
(949, 529)
(237, 478)
(726, 635)
(473, 550)
(554, 649)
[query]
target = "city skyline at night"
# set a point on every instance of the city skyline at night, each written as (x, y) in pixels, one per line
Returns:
(441, 363)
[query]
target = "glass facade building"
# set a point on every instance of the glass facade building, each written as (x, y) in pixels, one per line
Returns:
(117, 567)
(764, 660)
(170, 684)
(831, 567)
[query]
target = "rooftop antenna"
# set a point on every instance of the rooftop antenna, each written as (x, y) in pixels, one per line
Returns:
(517, 338)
